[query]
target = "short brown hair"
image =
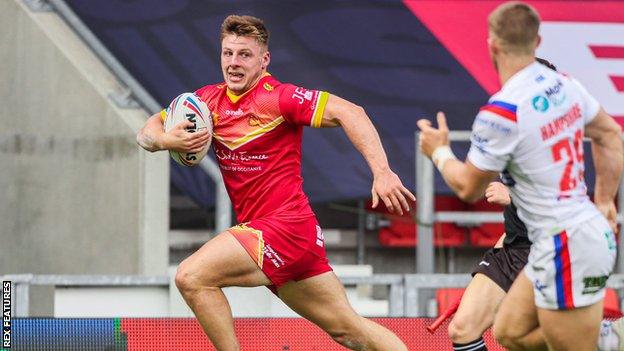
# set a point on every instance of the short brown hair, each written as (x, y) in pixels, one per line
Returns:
(245, 26)
(516, 25)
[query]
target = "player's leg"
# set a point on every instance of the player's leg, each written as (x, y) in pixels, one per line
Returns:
(322, 300)
(220, 262)
(570, 311)
(575, 329)
(516, 323)
(476, 312)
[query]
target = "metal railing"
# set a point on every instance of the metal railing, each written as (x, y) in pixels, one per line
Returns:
(409, 294)
(428, 216)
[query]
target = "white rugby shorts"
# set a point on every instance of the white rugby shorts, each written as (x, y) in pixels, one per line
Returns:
(570, 269)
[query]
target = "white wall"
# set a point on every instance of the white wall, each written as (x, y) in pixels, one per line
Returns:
(77, 195)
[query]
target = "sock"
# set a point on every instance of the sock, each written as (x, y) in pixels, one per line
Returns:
(608, 339)
(475, 345)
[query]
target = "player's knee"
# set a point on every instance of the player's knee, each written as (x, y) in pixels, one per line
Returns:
(348, 335)
(347, 339)
(461, 330)
(186, 279)
(503, 336)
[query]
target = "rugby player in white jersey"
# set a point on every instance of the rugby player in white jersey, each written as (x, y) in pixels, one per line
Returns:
(534, 128)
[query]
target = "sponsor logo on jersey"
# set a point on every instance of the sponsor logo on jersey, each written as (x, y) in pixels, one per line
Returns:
(610, 239)
(555, 93)
(484, 263)
(243, 156)
(479, 142)
(491, 124)
(273, 256)
(236, 113)
(320, 238)
(539, 285)
(540, 103)
(302, 94)
(593, 285)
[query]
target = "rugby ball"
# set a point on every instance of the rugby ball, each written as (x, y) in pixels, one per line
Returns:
(190, 107)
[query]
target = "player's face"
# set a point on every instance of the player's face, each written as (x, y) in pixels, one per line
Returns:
(243, 61)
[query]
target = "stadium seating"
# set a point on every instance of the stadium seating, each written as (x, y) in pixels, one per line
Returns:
(486, 234)
(401, 230)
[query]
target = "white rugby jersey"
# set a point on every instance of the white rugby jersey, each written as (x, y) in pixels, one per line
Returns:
(532, 132)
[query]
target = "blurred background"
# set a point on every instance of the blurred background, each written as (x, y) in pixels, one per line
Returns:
(92, 226)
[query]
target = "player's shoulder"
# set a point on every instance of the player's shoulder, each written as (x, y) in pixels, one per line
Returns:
(501, 106)
(207, 92)
(268, 86)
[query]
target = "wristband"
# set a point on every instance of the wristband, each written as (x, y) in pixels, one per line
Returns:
(442, 154)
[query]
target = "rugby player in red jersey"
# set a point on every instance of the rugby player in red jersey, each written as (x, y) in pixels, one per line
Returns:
(258, 125)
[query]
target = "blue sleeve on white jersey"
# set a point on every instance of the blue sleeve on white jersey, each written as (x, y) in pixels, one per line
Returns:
(494, 136)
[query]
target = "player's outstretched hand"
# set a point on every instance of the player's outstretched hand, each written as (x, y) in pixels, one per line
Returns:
(497, 193)
(388, 187)
(610, 212)
(430, 137)
(181, 140)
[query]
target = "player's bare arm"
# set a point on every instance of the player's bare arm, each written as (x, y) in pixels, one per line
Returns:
(152, 137)
(466, 180)
(607, 152)
(360, 130)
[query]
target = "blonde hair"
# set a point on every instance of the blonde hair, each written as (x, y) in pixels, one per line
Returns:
(516, 25)
(245, 26)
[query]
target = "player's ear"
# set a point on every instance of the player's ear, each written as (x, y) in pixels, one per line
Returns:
(489, 44)
(492, 46)
(539, 40)
(266, 59)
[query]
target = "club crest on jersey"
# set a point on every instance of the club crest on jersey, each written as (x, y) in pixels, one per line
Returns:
(267, 87)
(254, 121)
(540, 103)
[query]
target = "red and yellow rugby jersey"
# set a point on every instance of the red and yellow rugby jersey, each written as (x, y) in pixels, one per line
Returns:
(257, 142)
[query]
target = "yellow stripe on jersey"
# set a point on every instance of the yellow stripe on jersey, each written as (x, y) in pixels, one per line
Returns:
(163, 115)
(251, 136)
(317, 116)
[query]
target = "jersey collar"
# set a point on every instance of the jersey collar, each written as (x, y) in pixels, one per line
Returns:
(520, 77)
(235, 98)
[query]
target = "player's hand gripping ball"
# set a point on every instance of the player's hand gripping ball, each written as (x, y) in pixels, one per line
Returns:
(190, 107)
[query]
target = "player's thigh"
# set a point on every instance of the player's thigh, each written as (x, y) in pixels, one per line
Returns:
(322, 300)
(517, 314)
(478, 305)
(575, 329)
(221, 262)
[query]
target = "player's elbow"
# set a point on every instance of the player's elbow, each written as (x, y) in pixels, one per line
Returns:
(347, 112)
(469, 195)
(142, 141)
